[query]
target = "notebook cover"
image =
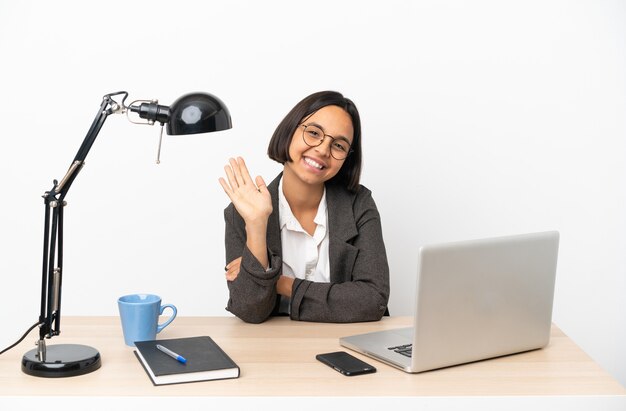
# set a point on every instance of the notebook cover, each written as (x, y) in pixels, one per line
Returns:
(202, 353)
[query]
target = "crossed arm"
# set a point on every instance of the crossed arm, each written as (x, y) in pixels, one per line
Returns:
(283, 285)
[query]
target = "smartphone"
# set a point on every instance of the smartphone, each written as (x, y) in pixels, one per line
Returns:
(345, 363)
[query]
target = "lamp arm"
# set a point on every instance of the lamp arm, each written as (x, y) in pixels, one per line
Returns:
(109, 106)
(52, 270)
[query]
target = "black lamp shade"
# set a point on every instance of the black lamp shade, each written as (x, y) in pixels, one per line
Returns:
(198, 113)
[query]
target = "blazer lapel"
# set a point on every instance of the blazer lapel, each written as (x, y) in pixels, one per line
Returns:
(341, 229)
(273, 223)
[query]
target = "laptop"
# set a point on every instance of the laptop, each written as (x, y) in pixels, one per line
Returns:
(475, 300)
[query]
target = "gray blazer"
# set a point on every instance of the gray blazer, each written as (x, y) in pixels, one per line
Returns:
(359, 273)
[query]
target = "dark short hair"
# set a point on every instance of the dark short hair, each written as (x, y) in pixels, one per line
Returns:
(278, 149)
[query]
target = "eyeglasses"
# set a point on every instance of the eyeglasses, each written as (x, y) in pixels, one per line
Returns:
(314, 136)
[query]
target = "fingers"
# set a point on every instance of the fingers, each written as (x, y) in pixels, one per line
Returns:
(232, 269)
(230, 174)
(240, 171)
(245, 175)
(231, 275)
(226, 188)
(238, 176)
(252, 203)
(260, 183)
(236, 172)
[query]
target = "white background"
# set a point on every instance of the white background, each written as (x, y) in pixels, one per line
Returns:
(479, 118)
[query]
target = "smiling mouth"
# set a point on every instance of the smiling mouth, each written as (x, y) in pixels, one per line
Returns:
(314, 163)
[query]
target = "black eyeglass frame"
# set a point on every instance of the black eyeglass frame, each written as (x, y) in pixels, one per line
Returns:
(350, 150)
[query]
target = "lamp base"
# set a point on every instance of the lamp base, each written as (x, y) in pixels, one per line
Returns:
(62, 360)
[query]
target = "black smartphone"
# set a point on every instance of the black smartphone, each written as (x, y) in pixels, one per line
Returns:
(345, 363)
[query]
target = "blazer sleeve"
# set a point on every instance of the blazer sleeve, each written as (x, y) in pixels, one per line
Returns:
(252, 295)
(364, 293)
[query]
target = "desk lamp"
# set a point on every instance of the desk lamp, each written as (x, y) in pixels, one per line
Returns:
(190, 114)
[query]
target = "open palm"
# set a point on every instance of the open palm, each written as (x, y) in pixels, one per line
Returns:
(251, 198)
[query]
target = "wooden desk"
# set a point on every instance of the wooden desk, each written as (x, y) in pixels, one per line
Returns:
(277, 358)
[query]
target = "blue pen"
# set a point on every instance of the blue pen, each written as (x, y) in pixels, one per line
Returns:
(171, 353)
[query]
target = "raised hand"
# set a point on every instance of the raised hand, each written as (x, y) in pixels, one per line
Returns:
(251, 199)
(253, 203)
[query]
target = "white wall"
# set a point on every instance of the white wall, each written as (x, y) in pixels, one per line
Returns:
(480, 118)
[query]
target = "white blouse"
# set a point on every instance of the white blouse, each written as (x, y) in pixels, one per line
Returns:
(304, 256)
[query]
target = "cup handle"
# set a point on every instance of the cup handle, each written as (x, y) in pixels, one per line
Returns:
(160, 327)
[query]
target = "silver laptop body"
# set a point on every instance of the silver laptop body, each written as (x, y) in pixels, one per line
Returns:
(475, 300)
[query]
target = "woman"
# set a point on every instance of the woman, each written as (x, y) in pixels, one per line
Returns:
(310, 244)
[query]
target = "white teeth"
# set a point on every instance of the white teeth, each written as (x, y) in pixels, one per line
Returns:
(313, 163)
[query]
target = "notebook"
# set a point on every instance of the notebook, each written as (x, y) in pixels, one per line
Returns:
(205, 361)
(475, 300)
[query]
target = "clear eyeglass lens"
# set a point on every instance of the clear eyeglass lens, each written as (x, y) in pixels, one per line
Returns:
(313, 136)
(340, 147)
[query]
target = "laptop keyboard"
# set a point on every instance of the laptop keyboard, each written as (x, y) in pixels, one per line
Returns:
(405, 349)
